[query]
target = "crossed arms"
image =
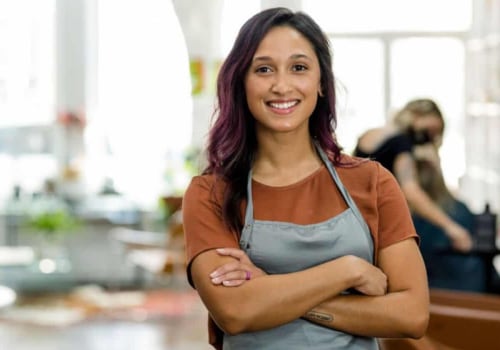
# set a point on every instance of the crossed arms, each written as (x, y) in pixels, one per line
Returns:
(393, 299)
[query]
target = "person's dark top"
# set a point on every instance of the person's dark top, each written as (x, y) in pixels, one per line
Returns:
(445, 270)
(387, 152)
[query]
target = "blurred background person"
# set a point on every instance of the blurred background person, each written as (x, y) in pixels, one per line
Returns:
(444, 270)
(417, 129)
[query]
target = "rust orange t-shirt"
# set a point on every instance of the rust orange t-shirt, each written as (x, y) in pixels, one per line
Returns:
(313, 199)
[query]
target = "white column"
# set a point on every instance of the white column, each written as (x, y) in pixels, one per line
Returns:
(70, 82)
(200, 22)
(70, 49)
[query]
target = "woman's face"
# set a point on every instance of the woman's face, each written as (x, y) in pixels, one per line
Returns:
(283, 81)
(431, 124)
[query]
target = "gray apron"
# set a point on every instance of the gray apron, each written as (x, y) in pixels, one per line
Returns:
(281, 247)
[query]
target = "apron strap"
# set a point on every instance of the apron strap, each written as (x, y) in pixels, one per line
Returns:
(347, 197)
(249, 219)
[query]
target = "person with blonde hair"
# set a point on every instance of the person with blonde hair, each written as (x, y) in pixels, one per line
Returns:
(416, 131)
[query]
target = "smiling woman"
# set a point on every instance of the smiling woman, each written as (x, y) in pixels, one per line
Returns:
(283, 81)
(281, 208)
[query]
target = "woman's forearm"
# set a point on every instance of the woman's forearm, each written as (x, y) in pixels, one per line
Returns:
(393, 315)
(424, 206)
(421, 203)
(273, 300)
(402, 312)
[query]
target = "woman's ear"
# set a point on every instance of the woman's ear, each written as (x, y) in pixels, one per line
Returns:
(320, 91)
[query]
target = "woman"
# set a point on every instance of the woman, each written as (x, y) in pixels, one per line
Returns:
(416, 131)
(445, 270)
(291, 243)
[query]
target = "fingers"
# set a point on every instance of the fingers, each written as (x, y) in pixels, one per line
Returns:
(235, 253)
(229, 267)
(463, 246)
(378, 287)
(374, 281)
(463, 243)
(466, 245)
(460, 238)
(232, 278)
(237, 272)
(374, 290)
(233, 283)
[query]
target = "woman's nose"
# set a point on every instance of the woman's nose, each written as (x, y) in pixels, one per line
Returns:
(281, 84)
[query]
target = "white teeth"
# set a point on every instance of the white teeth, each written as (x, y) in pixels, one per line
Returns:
(284, 105)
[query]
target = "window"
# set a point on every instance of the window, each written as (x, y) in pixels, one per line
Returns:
(27, 93)
(27, 60)
(387, 52)
(376, 16)
(439, 73)
(359, 70)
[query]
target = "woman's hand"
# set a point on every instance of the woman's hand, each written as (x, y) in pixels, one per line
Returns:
(428, 152)
(460, 238)
(370, 280)
(237, 272)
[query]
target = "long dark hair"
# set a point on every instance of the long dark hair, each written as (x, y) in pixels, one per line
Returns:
(232, 140)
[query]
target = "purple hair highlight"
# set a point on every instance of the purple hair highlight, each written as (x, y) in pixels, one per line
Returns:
(232, 141)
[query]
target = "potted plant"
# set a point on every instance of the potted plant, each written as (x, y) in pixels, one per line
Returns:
(52, 224)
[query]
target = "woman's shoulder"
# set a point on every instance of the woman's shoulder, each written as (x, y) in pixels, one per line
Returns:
(362, 169)
(353, 164)
(206, 180)
(204, 186)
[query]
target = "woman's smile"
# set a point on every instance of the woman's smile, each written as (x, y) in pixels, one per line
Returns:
(283, 107)
(283, 81)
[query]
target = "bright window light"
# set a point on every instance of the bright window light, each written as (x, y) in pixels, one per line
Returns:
(27, 88)
(390, 15)
(234, 15)
(144, 106)
(422, 55)
(27, 62)
(434, 67)
(359, 70)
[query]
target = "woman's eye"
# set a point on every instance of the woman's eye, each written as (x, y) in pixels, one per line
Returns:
(299, 67)
(263, 70)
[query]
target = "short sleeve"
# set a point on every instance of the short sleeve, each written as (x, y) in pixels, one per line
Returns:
(204, 228)
(395, 222)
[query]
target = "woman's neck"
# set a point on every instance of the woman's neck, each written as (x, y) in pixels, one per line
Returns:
(284, 162)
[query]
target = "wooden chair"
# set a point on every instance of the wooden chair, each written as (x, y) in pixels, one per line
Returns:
(458, 321)
(424, 343)
(463, 320)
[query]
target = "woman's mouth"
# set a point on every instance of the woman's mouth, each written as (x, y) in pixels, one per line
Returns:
(283, 105)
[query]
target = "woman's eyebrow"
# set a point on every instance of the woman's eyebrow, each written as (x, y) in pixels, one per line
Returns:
(292, 57)
(300, 56)
(262, 59)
